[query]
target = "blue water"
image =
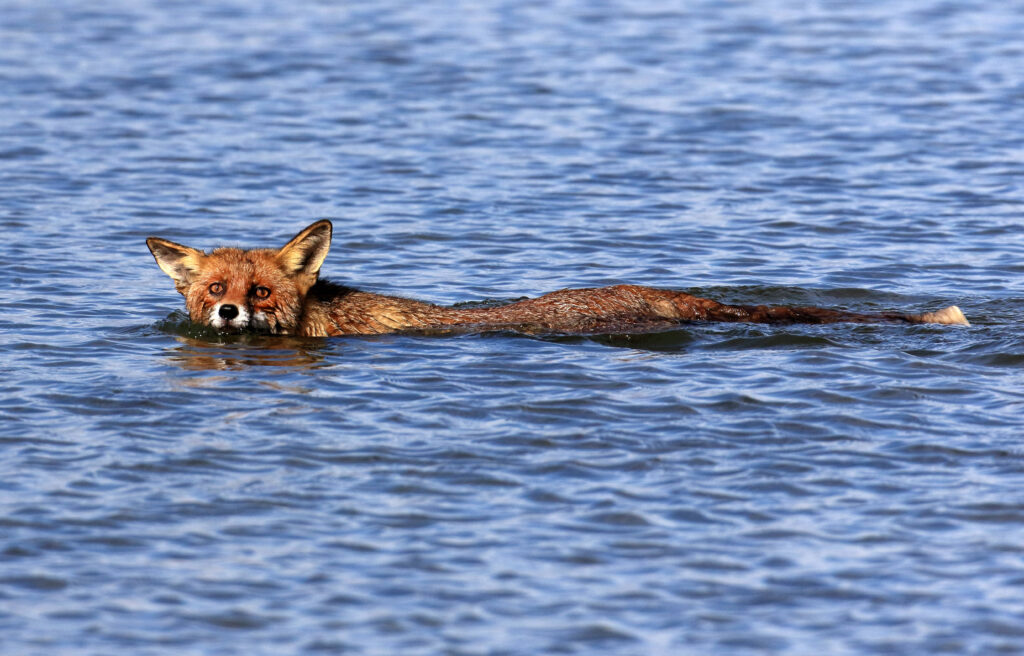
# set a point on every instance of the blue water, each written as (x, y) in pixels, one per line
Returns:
(715, 489)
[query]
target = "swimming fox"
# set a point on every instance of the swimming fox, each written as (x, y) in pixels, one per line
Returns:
(278, 291)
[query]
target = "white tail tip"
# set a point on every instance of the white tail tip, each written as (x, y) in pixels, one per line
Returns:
(950, 316)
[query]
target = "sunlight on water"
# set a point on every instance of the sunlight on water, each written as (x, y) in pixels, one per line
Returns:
(706, 488)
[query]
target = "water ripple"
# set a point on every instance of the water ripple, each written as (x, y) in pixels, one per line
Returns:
(703, 489)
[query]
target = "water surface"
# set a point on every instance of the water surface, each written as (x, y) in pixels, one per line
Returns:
(728, 489)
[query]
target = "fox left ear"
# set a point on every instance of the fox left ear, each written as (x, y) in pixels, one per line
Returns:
(303, 255)
(179, 262)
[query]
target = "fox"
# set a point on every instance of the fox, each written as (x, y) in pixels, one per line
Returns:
(279, 292)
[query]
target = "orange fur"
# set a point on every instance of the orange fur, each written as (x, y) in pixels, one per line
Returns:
(278, 292)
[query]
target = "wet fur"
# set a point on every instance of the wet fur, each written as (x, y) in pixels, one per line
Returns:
(298, 303)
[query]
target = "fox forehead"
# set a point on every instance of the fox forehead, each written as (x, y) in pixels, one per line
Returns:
(234, 265)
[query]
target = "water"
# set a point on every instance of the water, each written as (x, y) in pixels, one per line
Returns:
(721, 489)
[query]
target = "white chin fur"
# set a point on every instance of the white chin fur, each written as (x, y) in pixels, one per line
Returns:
(241, 322)
(259, 322)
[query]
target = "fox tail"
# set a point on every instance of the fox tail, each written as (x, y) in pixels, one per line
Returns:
(950, 316)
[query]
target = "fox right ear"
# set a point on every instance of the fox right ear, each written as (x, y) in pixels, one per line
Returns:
(179, 262)
(303, 255)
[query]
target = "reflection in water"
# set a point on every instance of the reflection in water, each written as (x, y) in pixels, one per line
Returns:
(202, 348)
(241, 351)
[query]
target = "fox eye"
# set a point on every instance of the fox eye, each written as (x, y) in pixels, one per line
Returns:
(217, 288)
(262, 292)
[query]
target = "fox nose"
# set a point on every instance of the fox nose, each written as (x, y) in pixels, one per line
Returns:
(228, 312)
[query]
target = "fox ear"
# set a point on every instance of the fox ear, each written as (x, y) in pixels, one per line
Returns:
(179, 262)
(304, 254)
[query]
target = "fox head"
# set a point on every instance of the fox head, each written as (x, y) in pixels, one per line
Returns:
(235, 290)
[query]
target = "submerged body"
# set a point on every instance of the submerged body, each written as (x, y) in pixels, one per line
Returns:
(335, 310)
(278, 292)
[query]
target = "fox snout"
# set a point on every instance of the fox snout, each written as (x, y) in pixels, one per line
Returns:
(234, 318)
(229, 317)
